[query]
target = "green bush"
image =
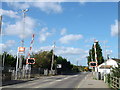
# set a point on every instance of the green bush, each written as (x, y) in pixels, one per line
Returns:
(108, 78)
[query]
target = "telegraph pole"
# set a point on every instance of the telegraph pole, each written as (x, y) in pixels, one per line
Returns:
(1, 25)
(2, 59)
(52, 57)
(77, 63)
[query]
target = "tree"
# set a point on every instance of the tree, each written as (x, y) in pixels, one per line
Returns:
(43, 59)
(81, 68)
(9, 60)
(67, 67)
(91, 56)
(75, 68)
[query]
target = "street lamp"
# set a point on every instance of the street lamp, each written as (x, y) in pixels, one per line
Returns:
(22, 41)
(24, 14)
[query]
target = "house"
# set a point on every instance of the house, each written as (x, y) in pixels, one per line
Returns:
(106, 67)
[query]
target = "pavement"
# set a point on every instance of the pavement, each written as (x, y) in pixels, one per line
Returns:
(89, 82)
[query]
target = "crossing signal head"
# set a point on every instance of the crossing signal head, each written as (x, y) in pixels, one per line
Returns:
(92, 64)
(30, 61)
(21, 49)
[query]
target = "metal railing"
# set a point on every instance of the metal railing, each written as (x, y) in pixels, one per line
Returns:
(9, 73)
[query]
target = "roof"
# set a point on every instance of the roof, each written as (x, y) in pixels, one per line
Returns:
(105, 66)
(117, 60)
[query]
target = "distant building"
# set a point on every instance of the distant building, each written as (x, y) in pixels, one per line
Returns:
(108, 65)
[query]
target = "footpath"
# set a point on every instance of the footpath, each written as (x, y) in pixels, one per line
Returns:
(89, 82)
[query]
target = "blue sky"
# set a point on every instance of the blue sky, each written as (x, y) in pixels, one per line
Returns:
(72, 25)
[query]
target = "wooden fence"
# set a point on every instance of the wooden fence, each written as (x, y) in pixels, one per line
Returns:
(115, 82)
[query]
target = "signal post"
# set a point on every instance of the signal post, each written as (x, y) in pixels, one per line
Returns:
(21, 50)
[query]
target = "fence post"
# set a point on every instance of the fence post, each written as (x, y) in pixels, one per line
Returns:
(119, 82)
(110, 81)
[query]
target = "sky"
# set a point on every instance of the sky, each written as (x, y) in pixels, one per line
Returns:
(73, 26)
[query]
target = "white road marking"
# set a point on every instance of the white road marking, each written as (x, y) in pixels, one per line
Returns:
(75, 75)
(66, 78)
(58, 80)
(52, 82)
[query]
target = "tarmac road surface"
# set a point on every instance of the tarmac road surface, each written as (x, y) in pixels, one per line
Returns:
(60, 81)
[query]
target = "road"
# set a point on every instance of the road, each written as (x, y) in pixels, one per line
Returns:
(61, 81)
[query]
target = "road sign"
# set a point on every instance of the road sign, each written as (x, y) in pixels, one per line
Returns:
(30, 61)
(59, 66)
(93, 64)
(21, 49)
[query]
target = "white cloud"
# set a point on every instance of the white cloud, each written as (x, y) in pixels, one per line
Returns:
(47, 7)
(18, 5)
(7, 45)
(69, 51)
(46, 48)
(44, 34)
(64, 50)
(82, 1)
(9, 13)
(89, 40)
(114, 28)
(69, 38)
(17, 28)
(63, 31)
(2, 47)
(109, 51)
